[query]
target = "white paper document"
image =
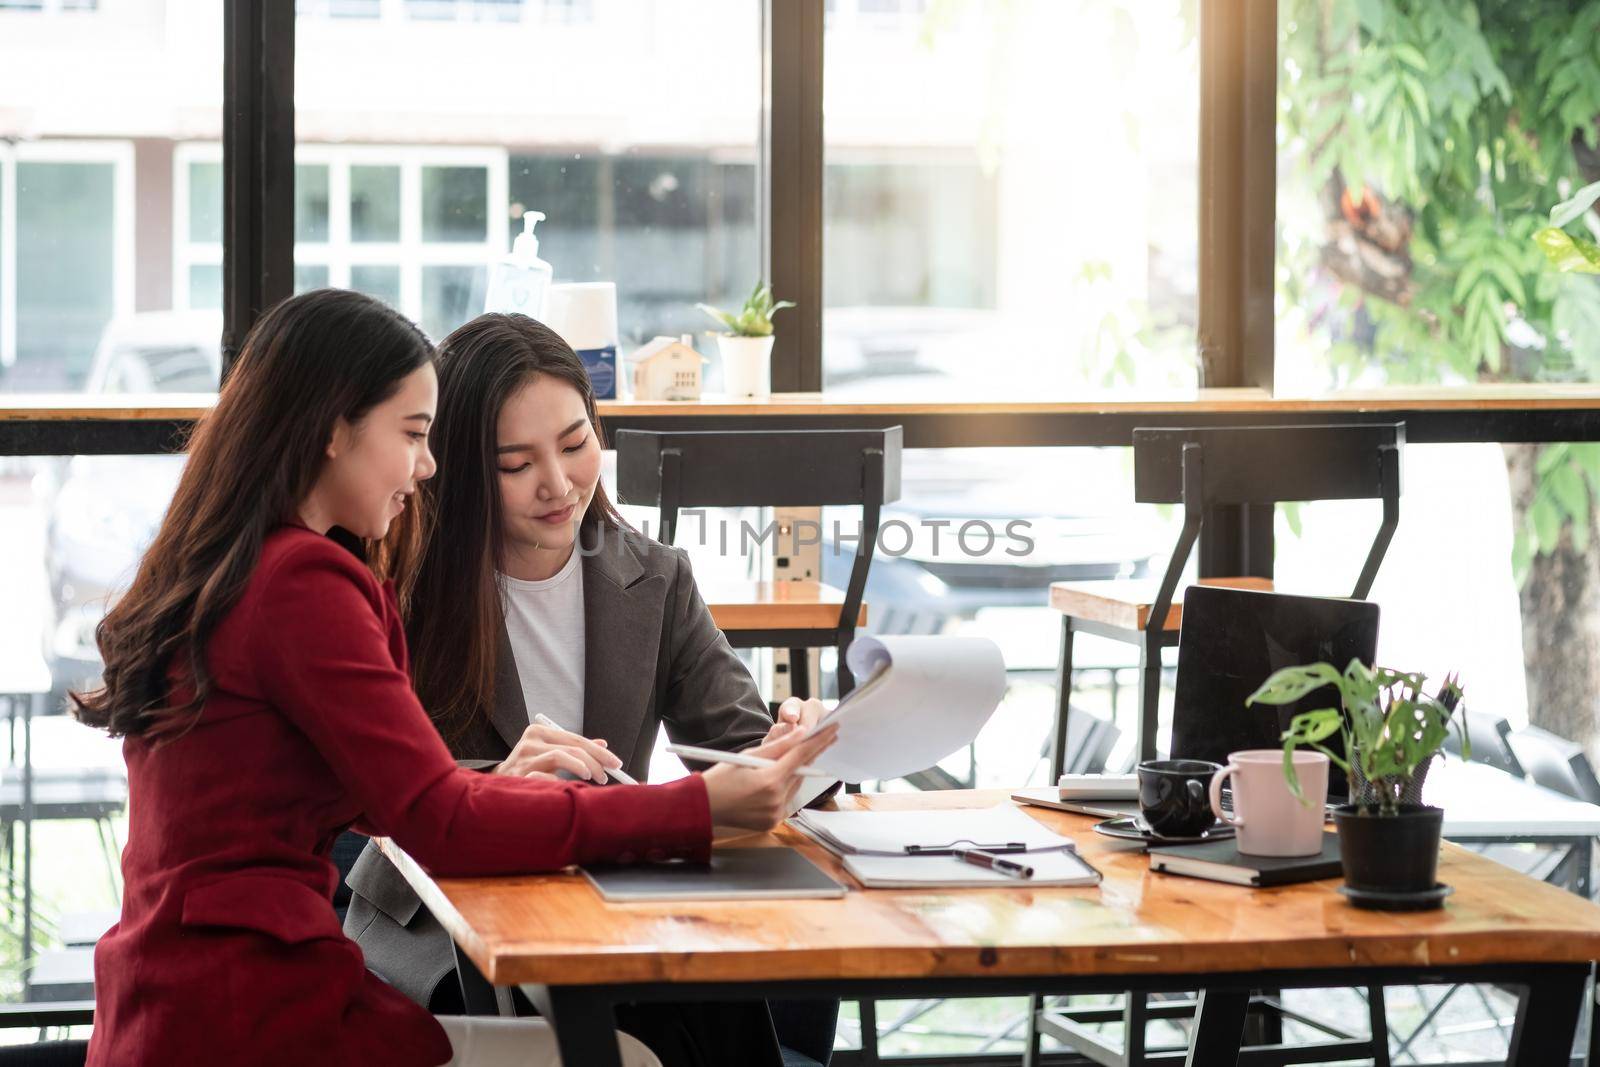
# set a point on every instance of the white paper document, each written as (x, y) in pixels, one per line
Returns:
(873, 846)
(917, 700)
(889, 832)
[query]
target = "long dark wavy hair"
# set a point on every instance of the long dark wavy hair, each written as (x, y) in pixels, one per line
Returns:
(453, 608)
(309, 361)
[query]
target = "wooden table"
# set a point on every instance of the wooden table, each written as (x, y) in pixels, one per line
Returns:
(577, 956)
(64, 424)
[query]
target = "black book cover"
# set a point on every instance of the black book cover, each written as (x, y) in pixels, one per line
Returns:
(1221, 861)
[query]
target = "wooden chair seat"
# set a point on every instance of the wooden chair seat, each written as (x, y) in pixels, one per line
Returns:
(1127, 604)
(783, 605)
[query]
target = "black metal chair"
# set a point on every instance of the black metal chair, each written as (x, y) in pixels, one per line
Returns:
(46, 1054)
(772, 468)
(1491, 744)
(1555, 763)
(1202, 468)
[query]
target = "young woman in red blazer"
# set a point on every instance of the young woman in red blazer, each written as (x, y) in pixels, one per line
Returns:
(257, 671)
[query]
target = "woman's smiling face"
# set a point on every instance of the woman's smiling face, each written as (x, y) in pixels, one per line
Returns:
(549, 465)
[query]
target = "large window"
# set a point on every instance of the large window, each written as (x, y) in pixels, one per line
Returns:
(986, 231)
(633, 127)
(96, 97)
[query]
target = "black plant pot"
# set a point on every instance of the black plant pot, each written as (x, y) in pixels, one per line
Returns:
(1391, 854)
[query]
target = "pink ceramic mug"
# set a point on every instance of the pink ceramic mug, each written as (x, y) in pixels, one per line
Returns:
(1268, 818)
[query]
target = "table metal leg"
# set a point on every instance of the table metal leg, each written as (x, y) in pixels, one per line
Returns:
(1058, 741)
(800, 673)
(1547, 1017)
(1218, 1027)
(585, 1022)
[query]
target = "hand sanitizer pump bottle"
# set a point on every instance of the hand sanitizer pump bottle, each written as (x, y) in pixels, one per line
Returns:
(519, 283)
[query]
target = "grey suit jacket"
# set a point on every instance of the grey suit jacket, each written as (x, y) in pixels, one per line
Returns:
(653, 657)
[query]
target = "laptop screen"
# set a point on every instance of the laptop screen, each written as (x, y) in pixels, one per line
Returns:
(1232, 640)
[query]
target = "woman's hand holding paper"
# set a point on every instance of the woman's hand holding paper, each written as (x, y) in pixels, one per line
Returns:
(759, 798)
(795, 712)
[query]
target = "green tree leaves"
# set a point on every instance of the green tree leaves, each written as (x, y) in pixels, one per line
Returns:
(1464, 113)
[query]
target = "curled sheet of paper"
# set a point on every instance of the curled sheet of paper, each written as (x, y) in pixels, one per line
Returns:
(917, 699)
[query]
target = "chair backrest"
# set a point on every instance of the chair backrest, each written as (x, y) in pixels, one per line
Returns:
(1090, 740)
(1490, 744)
(1266, 464)
(755, 468)
(1203, 466)
(1555, 763)
(766, 468)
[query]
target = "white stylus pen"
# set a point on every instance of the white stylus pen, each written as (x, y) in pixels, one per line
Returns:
(611, 772)
(739, 759)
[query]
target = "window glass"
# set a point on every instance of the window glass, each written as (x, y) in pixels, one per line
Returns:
(310, 203)
(966, 216)
(648, 182)
(65, 265)
(374, 203)
(379, 280)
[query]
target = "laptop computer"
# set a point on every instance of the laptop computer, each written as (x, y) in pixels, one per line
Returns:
(1232, 640)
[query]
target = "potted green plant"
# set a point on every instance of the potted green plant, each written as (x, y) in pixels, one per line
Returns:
(746, 344)
(1392, 730)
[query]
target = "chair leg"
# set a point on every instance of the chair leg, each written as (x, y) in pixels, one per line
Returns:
(1058, 742)
(1135, 1015)
(11, 871)
(1149, 692)
(842, 674)
(1030, 1046)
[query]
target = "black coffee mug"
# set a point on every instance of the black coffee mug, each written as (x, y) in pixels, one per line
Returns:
(1174, 796)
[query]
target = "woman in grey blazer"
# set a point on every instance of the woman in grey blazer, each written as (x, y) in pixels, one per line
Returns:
(533, 596)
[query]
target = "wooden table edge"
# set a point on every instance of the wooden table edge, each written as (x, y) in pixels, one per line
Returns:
(636, 965)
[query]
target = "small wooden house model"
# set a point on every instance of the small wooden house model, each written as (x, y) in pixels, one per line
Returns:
(667, 368)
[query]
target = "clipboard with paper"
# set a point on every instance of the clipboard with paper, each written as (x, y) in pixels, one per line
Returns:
(920, 698)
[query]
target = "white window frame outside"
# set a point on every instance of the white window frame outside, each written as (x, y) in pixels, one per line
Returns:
(50, 7)
(411, 253)
(544, 12)
(120, 155)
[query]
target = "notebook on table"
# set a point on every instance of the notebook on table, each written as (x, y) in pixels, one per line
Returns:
(876, 846)
(1221, 861)
(1060, 867)
(733, 874)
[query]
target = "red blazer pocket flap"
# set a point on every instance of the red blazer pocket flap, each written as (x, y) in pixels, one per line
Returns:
(282, 908)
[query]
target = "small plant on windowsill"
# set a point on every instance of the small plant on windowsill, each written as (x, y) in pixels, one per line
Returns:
(746, 344)
(1391, 731)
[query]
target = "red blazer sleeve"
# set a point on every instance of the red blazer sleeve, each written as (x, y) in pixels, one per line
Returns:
(323, 657)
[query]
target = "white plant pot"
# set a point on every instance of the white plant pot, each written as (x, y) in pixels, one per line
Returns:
(746, 365)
